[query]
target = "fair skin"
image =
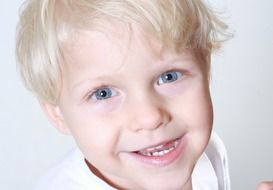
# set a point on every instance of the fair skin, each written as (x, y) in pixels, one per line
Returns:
(267, 185)
(123, 96)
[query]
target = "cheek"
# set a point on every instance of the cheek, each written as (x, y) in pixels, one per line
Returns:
(202, 113)
(93, 134)
(202, 119)
(194, 110)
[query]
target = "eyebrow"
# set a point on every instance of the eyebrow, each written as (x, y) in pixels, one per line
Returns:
(109, 77)
(90, 81)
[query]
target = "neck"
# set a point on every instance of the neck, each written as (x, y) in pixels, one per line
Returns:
(188, 185)
(95, 171)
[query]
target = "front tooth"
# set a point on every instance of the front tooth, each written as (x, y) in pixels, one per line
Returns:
(145, 153)
(161, 153)
(155, 153)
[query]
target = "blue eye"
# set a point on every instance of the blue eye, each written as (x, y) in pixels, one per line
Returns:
(103, 93)
(169, 77)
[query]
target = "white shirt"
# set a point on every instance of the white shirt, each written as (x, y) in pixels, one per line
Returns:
(72, 173)
(211, 171)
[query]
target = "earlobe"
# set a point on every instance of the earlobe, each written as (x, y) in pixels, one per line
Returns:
(55, 116)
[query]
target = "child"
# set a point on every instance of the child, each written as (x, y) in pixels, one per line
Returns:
(129, 80)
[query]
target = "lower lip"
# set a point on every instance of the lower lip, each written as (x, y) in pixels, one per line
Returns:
(167, 159)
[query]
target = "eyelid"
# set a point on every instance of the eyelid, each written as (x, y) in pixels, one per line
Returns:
(94, 90)
(180, 71)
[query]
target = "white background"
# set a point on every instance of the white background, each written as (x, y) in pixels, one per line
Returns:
(242, 91)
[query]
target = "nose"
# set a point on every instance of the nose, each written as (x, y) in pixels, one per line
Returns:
(148, 115)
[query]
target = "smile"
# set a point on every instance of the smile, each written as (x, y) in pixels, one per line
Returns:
(160, 150)
(163, 154)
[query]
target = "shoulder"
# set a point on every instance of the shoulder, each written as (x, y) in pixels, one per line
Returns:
(71, 173)
(63, 175)
(217, 154)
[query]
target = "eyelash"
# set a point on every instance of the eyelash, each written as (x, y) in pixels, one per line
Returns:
(96, 90)
(176, 77)
(102, 88)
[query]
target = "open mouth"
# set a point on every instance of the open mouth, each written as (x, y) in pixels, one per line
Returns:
(162, 154)
(161, 149)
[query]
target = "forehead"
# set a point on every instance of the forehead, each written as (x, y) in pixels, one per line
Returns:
(109, 56)
(113, 42)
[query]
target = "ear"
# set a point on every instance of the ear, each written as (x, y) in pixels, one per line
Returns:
(55, 116)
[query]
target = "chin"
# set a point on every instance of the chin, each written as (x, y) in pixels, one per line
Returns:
(177, 182)
(163, 185)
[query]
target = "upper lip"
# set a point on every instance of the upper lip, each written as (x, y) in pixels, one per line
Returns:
(159, 143)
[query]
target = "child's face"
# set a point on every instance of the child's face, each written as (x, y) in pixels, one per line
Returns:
(141, 116)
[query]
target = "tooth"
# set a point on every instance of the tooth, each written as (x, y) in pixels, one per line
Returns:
(176, 143)
(159, 147)
(149, 152)
(155, 148)
(155, 153)
(161, 153)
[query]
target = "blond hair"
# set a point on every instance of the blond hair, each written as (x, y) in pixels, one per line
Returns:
(44, 25)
